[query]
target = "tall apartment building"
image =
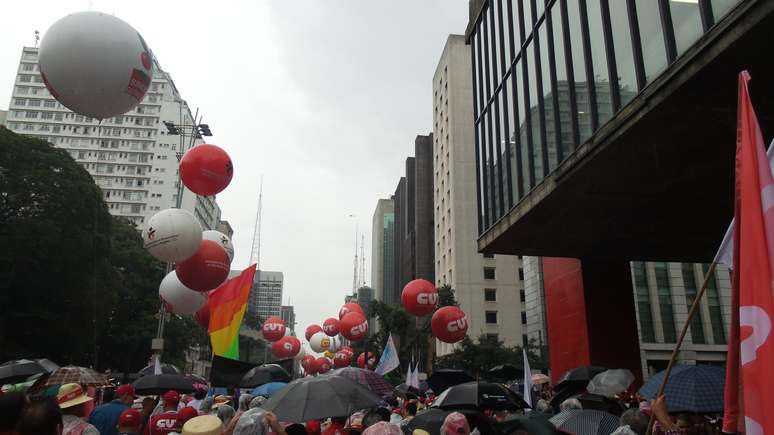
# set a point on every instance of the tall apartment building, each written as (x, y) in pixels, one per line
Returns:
(266, 295)
(288, 315)
(486, 286)
(131, 156)
(383, 252)
(225, 228)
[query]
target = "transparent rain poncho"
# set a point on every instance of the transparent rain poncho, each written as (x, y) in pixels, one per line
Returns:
(252, 422)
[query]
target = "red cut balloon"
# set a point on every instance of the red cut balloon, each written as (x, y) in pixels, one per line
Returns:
(419, 297)
(206, 269)
(273, 328)
(307, 361)
(203, 316)
(449, 324)
(331, 327)
(286, 347)
(361, 360)
(206, 169)
(341, 359)
(321, 365)
(311, 330)
(350, 307)
(347, 349)
(354, 326)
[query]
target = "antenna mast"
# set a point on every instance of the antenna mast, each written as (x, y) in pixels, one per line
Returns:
(255, 255)
(355, 264)
(362, 261)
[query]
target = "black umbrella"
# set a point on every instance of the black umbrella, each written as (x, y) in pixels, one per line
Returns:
(431, 420)
(480, 395)
(533, 423)
(314, 398)
(578, 376)
(442, 379)
(600, 403)
(166, 369)
(505, 372)
(264, 374)
(20, 370)
(160, 384)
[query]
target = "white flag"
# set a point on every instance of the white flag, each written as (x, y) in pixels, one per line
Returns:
(389, 360)
(414, 377)
(157, 365)
(527, 380)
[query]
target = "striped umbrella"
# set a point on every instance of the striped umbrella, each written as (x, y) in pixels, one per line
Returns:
(691, 388)
(74, 374)
(585, 422)
(367, 378)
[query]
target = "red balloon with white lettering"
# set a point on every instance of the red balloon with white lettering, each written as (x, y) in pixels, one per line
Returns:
(206, 169)
(331, 327)
(350, 307)
(361, 361)
(311, 330)
(449, 324)
(306, 363)
(321, 365)
(419, 297)
(341, 359)
(273, 328)
(206, 269)
(354, 326)
(347, 349)
(286, 347)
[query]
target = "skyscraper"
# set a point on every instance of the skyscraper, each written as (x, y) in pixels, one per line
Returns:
(288, 315)
(266, 295)
(383, 251)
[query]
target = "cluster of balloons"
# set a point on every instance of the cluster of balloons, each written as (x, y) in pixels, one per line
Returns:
(420, 298)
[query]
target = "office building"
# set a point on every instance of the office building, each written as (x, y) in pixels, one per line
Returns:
(131, 157)
(487, 286)
(3, 115)
(383, 252)
(365, 295)
(582, 169)
(288, 315)
(266, 295)
(225, 228)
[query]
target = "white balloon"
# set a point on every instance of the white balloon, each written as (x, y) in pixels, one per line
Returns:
(222, 240)
(320, 342)
(172, 235)
(178, 298)
(335, 344)
(300, 355)
(95, 64)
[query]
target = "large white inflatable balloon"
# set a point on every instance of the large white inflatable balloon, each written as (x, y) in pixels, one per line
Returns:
(95, 64)
(172, 235)
(178, 298)
(222, 240)
(320, 342)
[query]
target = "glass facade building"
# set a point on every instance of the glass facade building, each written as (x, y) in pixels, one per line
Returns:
(547, 74)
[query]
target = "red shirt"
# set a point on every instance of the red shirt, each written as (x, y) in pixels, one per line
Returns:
(162, 424)
(336, 429)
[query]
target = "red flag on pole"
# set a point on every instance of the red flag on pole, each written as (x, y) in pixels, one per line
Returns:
(750, 367)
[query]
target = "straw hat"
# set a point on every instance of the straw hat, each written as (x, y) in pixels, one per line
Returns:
(203, 425)
(71, 395)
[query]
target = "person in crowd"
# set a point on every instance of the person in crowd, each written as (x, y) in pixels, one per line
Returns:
(295, 429)
(636, 420)
(420, 432)
(203, 425)
(570, 404)
(206, 406)
(543, 406)
(382, 428)
(374, 416)
(411, 412)
(225, 413)
(130, 422)
(183, 415)
(198, 397)
(41, 417)
(313, 427)
(354, 424)
(105, 417)
(11, 407)
(455, 424)
(244, 405)
(148, 404)
(166, 422)
(257, 402)
(395, 417)
(72, 401)
(336, 427)
(108, 395)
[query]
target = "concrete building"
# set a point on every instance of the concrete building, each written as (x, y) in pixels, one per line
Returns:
(225, 228)
(3, 115)
(266, 295)
(383, 252)
(486, 286)
(131, 157)
(365, 295)
(288, 314)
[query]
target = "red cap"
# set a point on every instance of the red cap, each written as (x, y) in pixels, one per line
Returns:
(130, 418)
(186, 414)
(313, 426)
(171, 396)
(123, 390)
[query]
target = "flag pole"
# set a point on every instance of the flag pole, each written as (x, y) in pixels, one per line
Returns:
(676, 351)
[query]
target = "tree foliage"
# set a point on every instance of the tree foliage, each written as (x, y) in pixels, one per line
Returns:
(485, 353)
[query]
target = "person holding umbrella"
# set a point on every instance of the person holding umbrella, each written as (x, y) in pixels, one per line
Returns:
(105, 417)
(166, 422)
(72, 400)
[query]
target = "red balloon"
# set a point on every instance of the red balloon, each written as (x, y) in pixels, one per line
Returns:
(419, 297)
(321, 365)
(331, 327)
(347, 349)
(341, 359)
(354, 326)
(311, 330)
(449, 324)
(286, 347)
(306, 362)
(203, 316)
(206, 269)
(361, 360)
(348, 308)
(273, 328)
(206, 169)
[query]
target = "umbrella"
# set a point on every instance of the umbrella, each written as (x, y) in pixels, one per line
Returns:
(264, 374)
(19, 370)
(506, 372)
(445, 378)
(267, 390)
(160, 384)
(697, 389)
(585, 422)
(367, 378)
(540, 378)
(72, 374)
(166, 369)
(431, 420)
(531, 423)
(600, 403)
(480, 395)
(579, 376)
(610, 382)
(319, 397)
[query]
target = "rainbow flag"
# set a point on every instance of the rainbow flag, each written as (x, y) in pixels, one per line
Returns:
(228, 304)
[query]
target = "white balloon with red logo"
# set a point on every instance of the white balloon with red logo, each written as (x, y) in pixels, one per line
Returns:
(449, 324)
(172, 235)
(221, 239)
(354, 326)
(273, 329)
(95, 64)
(320, 342)
(419, 297)
(178, 298)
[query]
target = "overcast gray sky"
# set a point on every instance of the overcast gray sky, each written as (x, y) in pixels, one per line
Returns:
(322, 97)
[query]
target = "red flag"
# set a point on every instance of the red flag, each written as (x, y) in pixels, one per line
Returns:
(750, 368)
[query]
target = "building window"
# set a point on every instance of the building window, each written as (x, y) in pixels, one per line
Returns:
(642, 293)
(522, 295)
(689, 281)
(665, 302)
(25, 78)
(31, 115)
(493, 338)
(488, 255)
(652, 37)
(20, 102)
(49, 103)
(490, 295)
(521, 274)
(713, 302)
(491, 317)
(523, 318)
(489, 273)
(686, 22)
